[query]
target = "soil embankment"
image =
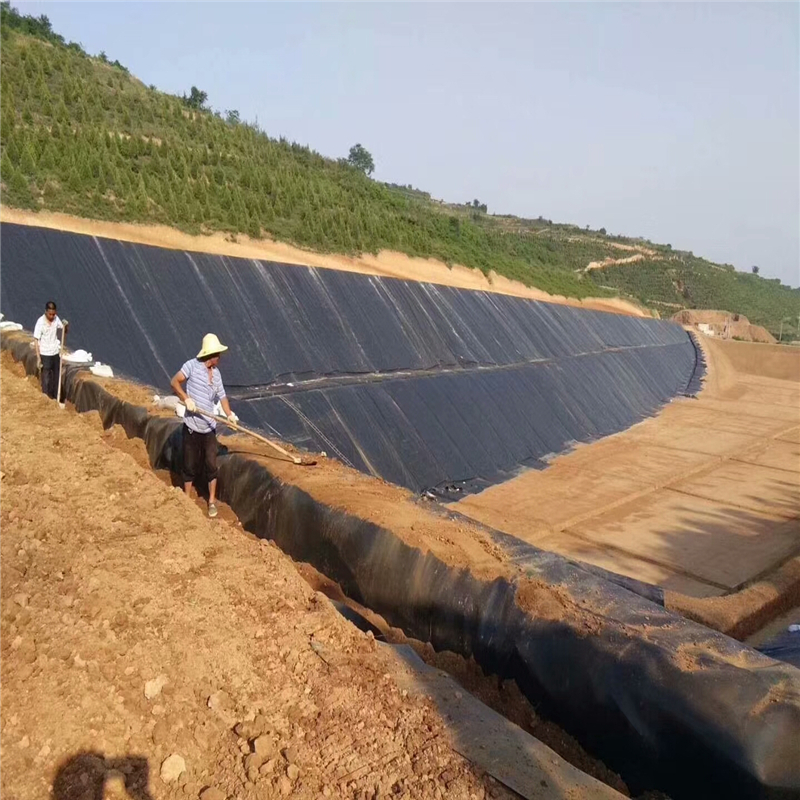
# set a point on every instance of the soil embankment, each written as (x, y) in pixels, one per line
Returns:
(135, 629)
(781, 362)
(725, 323)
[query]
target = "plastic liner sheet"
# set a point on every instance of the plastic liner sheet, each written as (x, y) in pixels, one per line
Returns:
(449, 391)
(456, 433)
(699, 373)
(523, 554)
(785, 646)
(665, 702)
(144, 308)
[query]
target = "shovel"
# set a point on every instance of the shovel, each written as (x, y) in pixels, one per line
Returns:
(61, 405)
(180, 410)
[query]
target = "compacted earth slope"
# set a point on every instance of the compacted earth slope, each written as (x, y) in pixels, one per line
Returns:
(137, 634)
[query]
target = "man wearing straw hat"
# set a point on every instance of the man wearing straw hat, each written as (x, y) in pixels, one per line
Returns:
(203, 389)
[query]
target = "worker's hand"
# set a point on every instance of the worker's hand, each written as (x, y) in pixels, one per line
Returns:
(190, 404)
(233, 418)
(65, 323)
(39, 365)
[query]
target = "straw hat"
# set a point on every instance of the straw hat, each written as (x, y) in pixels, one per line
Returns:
(211, 346)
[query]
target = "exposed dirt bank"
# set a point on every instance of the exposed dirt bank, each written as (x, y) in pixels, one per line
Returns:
(135, 629)
(736, 326)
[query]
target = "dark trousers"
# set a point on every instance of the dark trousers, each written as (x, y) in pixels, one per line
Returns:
(50, 367)
(199, 450)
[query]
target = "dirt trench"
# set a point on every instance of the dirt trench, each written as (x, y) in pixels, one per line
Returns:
(136, 634)
(116, 586)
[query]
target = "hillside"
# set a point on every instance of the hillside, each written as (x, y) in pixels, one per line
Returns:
(82, 136)
(670, 282)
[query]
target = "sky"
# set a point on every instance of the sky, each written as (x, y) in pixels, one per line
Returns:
(676, 122)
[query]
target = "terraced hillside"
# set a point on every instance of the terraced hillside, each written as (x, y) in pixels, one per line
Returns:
(81, 135)
(670, 282)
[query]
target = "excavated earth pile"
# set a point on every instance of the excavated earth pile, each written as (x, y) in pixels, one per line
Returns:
(724, 323)
(131, 634)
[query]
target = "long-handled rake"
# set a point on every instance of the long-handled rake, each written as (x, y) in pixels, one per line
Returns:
(180, 410)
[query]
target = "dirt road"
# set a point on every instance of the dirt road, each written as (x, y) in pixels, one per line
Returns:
(138, 633)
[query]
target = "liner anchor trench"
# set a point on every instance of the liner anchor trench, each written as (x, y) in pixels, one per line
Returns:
(725, 724)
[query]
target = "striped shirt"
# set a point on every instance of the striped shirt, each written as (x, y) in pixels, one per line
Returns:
(203, 392)
(47, 334)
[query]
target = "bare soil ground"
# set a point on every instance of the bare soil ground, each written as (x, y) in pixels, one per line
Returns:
(114, 583)
(720, 321)
(388, 263)
(702, 499)
(134, 629)
(610, 262)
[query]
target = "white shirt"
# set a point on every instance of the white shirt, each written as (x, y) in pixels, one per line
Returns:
(47, 334)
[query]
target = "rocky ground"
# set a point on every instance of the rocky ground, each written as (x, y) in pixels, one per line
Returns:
(150, 652)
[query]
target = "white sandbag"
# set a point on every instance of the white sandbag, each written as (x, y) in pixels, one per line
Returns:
(78, 357)
(170, 401)
(101, 370)
(8, 325)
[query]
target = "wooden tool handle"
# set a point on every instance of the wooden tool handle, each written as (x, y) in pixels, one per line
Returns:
(240, 429)
(61, 363)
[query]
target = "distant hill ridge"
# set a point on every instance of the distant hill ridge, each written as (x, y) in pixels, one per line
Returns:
(80, 135)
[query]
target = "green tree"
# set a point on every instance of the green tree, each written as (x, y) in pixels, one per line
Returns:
(74, 180)
(47, 161)
(28, 161)
(361, 159)
(139, 203)
(20, 189)
(62, 114)
(12, 146)
(196, 99)
(6, 123)
(122, 181)
(64, 164)
(6, 168)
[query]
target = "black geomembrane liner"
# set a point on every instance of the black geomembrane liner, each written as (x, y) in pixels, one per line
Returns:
(431, 387)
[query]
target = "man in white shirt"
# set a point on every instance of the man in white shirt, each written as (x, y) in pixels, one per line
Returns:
(48, 347)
